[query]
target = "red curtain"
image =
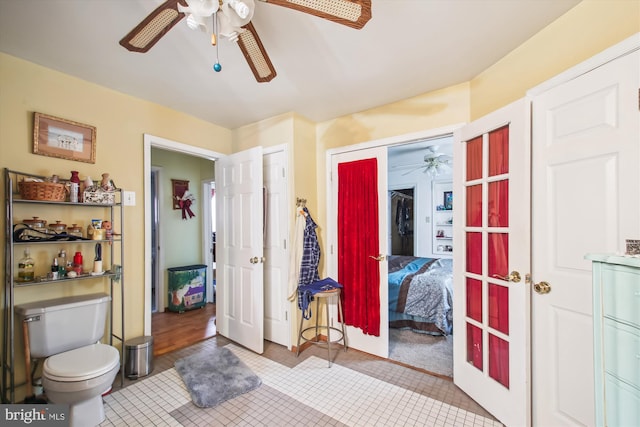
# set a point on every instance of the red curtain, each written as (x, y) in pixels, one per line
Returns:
(357, 240)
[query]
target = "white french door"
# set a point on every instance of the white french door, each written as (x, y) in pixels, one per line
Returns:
(492, 262)
(239, 248)
(586, 199)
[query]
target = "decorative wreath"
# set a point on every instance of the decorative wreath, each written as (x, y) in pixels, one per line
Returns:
(185, 203)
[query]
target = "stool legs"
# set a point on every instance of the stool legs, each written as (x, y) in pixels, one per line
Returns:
(299, 335)
(326, 304)
(317, 327)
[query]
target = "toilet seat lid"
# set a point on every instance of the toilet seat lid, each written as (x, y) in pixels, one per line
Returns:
(81, 363)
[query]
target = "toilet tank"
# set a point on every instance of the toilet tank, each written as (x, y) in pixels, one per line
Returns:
(63, 324)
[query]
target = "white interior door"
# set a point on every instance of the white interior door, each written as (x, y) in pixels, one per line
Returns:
(276, 266)
(491, 263)
(378, 345)
(239, 248)
(586, 199)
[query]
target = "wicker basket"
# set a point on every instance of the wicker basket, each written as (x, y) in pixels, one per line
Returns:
(45, 191)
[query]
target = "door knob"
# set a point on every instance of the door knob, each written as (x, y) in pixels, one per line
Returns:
(513, 277)
(253, 260)
(378, 258)
(542, 288)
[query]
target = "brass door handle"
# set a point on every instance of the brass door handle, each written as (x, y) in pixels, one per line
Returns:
(542, 288)
(378, 258)
(513, 277)
(254, 260)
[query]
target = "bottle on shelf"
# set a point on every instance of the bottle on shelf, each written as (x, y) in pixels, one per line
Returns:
(62, 263)
(54, 268)
(74, 191)
(26, 267)
(77, 263)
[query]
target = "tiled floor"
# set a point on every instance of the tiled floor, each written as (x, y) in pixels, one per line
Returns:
(358, 390)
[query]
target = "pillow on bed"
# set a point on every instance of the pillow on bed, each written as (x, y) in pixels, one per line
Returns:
(397, 262)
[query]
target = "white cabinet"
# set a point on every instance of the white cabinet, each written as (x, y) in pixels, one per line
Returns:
(442, 236)
(616, 325)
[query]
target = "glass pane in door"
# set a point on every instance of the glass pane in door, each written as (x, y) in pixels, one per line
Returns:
(474, 159)
(474, 345)
(474, 299)
(499, 151)
(499, 360)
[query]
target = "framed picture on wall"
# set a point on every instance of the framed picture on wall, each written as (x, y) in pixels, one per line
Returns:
(179, 186)
(62, 138)
(448, 200)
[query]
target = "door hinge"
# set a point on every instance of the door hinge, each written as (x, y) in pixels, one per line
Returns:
(284, 243)
(283, 173)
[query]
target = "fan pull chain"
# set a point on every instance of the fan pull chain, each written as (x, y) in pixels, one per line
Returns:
(214, 41)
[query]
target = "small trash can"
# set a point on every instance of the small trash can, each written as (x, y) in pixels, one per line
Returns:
(138, 357)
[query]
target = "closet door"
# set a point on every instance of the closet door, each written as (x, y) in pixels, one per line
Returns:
(491, 263)
(365, 259)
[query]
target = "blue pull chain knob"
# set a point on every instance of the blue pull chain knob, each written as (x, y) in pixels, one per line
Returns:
(217, 67)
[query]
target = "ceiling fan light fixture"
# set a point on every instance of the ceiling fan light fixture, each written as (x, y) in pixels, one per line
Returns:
(192, 22)
(241, 8)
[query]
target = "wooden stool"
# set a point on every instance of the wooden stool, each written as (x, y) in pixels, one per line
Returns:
(326, 295)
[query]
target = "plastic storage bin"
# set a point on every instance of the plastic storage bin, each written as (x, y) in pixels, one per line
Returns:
(138, 357)
(187, 287)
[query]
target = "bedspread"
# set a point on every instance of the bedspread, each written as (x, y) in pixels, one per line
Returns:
(421, 294)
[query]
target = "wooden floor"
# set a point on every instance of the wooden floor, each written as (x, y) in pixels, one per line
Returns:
(173, 331)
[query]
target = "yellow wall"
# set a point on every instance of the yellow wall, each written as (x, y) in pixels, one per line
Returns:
(121, 121)
(587, 29)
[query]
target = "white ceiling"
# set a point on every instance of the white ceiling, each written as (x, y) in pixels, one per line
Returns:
(325, 70)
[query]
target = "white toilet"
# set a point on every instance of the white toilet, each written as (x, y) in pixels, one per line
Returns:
(78, 368)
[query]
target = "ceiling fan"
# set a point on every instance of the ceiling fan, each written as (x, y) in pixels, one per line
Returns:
(232, 20)
(434, 163)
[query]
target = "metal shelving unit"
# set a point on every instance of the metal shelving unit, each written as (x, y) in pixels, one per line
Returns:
(115, 276)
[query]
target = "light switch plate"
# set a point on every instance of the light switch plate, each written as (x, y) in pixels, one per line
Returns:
(129, 198)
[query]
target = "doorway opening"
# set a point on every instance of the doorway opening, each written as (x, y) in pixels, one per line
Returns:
(155, 239)
(420, 250)
(154, 271)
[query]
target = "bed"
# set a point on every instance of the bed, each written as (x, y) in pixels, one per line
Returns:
(421, 294)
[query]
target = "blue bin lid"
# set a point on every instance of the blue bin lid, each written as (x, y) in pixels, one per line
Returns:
(187, 267)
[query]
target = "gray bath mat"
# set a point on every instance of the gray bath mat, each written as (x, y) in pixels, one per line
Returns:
(214, 376)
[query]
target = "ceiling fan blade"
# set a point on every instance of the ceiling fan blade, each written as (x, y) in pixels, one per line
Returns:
(410, 171)
(255, 54)
(352, 13)
(153, 27)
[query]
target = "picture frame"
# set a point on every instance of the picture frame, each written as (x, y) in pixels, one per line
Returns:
(448, 200)
(178, 186)
(64, 139)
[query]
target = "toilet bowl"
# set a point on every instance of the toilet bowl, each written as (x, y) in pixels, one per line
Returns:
(78, 378)
(77, 369)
